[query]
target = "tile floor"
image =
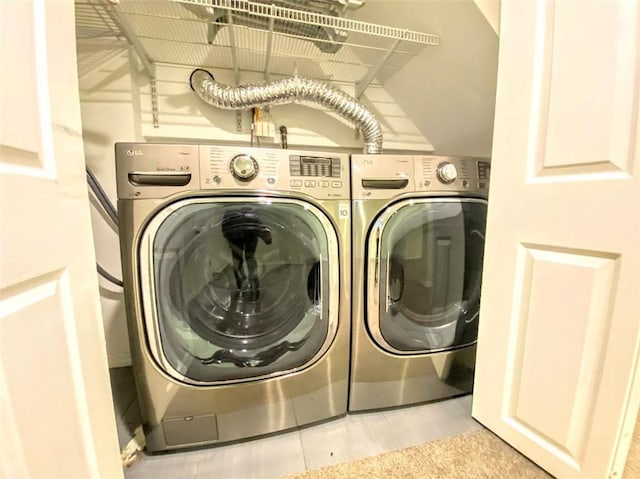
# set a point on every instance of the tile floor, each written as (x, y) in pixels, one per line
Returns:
(340, 440)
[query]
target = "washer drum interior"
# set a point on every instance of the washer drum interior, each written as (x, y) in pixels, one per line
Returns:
(240, 288)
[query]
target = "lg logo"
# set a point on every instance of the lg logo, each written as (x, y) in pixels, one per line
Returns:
(134, 153)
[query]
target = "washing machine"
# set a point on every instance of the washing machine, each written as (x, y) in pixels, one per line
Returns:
(236, 266)
(418, 241)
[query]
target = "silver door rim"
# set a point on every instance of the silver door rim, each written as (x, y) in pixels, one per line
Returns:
(374, 267)
(147, 283)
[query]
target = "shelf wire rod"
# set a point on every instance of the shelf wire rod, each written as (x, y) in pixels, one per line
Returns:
(362, 85)
(267, 61)
(129, 33)
(236, 69)
(232, 44)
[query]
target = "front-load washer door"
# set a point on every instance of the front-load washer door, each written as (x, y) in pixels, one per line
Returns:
(424, 261)
(235, 289)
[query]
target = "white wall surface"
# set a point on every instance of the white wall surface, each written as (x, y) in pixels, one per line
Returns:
(449, 90)
(491, 11)
(109, 101)
(183, 115)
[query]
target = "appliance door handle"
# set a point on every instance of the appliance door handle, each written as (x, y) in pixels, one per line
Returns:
(384, 183)
(159, 178)
(376, 267)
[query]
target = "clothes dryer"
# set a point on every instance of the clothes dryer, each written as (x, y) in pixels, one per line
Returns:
(236, 265)
(418, 242)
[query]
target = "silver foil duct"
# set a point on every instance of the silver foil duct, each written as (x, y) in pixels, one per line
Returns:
(290, 90)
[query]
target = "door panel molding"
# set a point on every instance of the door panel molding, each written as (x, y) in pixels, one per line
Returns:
(601, 147)
(27, 145)
(564, 419)
(557, 374)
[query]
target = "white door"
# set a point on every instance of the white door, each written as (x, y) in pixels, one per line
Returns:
(56, 414)
(560, 316)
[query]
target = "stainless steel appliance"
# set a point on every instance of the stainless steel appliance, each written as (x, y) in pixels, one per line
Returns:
(418, 241)
(236, 266)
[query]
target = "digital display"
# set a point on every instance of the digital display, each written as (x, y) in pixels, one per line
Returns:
(314, 160)
(314, 166)
(484, 170)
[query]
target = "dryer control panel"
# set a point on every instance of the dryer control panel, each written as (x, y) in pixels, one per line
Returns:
(386, 176)
(451, 173)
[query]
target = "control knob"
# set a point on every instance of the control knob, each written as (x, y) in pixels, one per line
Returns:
(447, 173)
(244, 167)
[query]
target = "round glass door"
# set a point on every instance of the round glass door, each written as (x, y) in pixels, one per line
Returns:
(238, 289)
(429, 270)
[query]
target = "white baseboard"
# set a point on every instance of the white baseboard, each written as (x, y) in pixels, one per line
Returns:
(119, 360)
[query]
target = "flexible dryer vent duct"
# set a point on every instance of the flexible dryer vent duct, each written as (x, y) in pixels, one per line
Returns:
(289, 90)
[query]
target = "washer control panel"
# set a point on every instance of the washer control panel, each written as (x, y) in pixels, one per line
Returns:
(451, 173)
(160, 170)
(317, 174)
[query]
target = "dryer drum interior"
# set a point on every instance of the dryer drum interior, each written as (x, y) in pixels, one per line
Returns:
(240, 288)
(431, 265)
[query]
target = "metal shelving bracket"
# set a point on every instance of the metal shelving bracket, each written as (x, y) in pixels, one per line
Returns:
(148, 65)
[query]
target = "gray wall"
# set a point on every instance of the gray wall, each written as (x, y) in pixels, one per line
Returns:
(448, 91)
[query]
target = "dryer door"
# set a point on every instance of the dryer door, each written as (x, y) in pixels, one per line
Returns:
(425, 269)
(238, 288)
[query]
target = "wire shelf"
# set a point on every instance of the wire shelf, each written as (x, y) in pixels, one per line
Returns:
(246, 36)
(316, 19)
(176, 32)
(93, 21)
